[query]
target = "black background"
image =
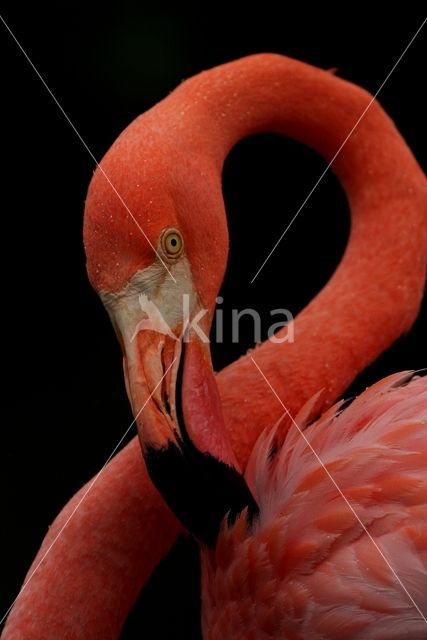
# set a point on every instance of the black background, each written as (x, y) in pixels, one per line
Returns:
(65, 406)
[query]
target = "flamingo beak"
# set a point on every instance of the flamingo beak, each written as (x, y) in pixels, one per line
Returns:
(150, 364)
(172, 389)
(177, 409)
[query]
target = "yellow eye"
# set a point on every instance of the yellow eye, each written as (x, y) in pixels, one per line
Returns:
(172, 243)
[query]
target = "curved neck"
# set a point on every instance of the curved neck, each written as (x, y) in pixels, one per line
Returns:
(375, 293)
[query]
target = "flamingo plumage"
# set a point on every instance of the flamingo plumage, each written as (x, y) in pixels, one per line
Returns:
(167, 166)
(339, 551)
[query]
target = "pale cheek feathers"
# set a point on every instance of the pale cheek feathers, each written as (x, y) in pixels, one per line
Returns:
(152, 296)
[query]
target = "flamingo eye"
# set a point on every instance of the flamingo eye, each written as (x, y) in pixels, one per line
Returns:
(172, 243)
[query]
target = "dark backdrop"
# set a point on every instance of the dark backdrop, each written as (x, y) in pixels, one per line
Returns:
(65, 400)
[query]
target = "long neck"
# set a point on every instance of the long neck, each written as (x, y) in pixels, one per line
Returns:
(375, 293)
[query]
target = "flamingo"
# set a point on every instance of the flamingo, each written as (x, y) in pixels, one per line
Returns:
(197, 435)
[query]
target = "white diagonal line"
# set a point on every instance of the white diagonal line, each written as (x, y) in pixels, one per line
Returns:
(348, 503)
(339, 151)
(42, 80)
(94, 480)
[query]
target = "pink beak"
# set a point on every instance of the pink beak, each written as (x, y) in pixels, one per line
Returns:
(176, 404)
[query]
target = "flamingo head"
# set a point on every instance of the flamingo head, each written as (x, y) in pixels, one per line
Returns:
(156, 242)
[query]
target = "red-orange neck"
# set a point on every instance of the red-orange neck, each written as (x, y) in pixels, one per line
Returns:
(375, 293)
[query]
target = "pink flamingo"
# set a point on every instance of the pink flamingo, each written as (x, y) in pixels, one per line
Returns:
(267, 574)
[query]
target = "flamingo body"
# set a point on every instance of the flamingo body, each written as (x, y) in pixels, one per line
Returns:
(307, 569)
(166, 167)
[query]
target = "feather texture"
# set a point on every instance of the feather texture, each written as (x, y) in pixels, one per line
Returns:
(340, 546)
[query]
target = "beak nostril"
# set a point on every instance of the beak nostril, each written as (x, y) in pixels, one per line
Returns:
(164, 388)
(166, 403)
